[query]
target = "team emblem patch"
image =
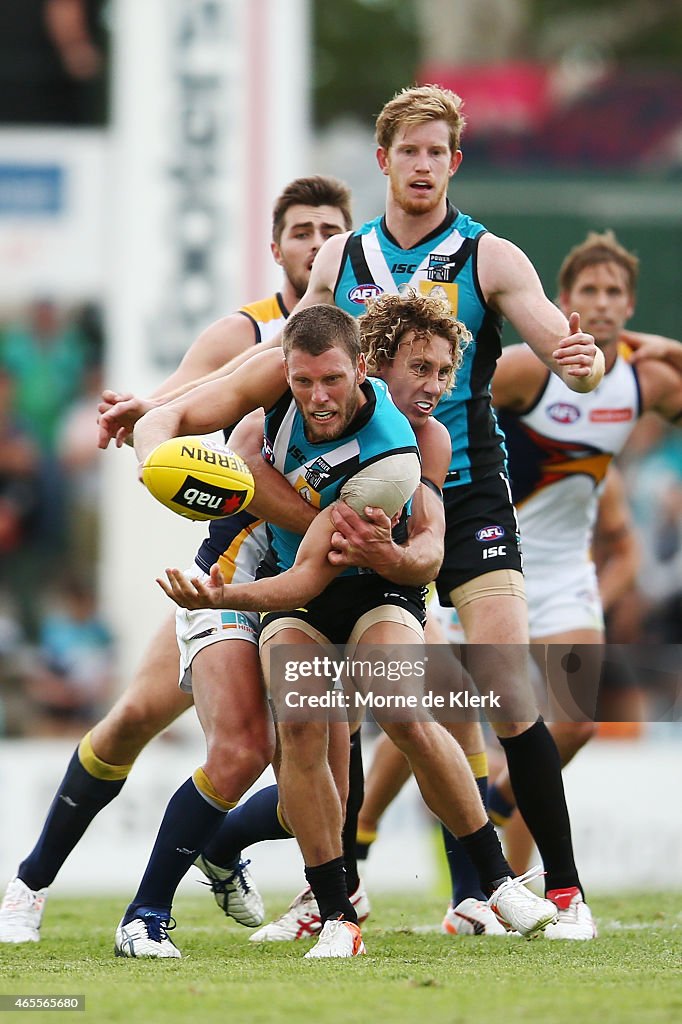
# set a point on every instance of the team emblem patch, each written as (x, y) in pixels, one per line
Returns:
(441, 268)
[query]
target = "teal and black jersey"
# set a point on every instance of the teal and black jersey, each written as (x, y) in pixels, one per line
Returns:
(443, 263)
(318, 470)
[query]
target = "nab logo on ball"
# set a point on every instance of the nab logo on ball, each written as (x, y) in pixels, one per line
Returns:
(198, 478)
(197, 495)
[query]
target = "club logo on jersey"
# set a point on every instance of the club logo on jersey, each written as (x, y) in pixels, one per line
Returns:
(611, 415)
(489, 533)
(362, 293)
(198, 494)
(442, 268)
(317, 473)
(563, 412)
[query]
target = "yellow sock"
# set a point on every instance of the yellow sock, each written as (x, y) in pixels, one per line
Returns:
(210, 793)
(282, 820)
(96, 767)
(478, 764)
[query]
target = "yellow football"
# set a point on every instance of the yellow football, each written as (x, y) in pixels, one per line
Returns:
(198, 478)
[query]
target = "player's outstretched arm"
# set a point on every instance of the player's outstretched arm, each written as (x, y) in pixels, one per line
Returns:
(206, 408)
(320, 291)
(511, 286)
(219, 342)
(307, 578)
(274, 499)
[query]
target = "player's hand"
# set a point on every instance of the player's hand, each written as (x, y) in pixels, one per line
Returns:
(193, 593)
(361, 541)
(652, 346)
(576, 353)
(118, 416)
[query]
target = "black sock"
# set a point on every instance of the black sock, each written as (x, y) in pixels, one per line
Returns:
(356, 794)
(252, 822)
(483, 847)
(78, 800)
(328, 882)
(535, 776)
(187, 826)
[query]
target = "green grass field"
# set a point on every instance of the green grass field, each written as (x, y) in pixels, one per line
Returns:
(411, 973)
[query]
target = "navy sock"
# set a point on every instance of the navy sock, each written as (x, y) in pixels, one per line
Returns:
(251, 822)
(356, 794)
(499, 809)
(78, 800)
(463, 874)
(535, 775)
(328, 882)
(187, 826)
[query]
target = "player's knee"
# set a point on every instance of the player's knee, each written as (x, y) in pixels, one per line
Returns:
(574, 735)
(233, 766)
(130, 722)
(307, 742)
(409, 737)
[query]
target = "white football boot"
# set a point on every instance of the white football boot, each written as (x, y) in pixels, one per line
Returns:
(146, 936)
(574, 920)
(519, 909)
(235, 891)
(302, 919)
(338, 939)
(472, 917)
(21, 912)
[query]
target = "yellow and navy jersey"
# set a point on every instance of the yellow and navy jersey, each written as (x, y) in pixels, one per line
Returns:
(268, 316)
(318, 470)
(559, 452)
(237, 543)
(233, 541)
(444, 264)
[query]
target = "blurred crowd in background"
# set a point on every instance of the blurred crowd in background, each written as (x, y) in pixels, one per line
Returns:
(57, 654)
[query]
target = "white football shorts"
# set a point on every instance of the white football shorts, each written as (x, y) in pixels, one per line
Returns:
(205, 626)
(562, 598)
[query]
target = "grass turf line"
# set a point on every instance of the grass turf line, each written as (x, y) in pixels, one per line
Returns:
(631, 973)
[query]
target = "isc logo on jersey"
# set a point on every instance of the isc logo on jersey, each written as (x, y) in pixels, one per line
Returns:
(362, 293)
(562, 412)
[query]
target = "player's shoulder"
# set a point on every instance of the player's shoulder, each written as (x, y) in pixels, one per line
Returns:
(433, 436)
(264, 310)
(502, 265)
(328, 262)
(657, 380)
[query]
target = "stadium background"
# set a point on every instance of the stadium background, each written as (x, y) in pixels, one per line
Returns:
(139, 210)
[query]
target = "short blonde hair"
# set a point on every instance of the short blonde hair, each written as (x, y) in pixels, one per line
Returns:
(417, 105)
(390, 317)
(598, 248)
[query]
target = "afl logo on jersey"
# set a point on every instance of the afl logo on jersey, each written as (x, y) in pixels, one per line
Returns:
(362, 293)
(562, 412)
(267, 451)
(489, 533)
